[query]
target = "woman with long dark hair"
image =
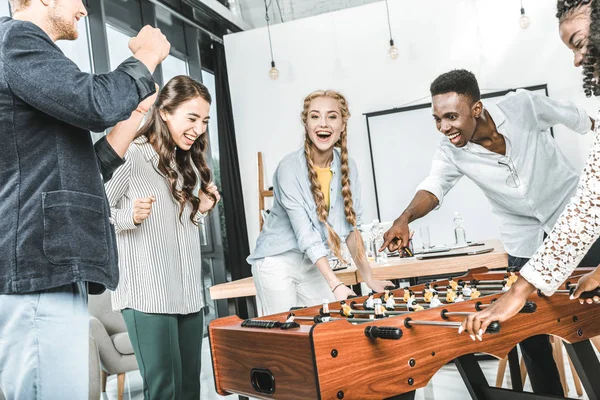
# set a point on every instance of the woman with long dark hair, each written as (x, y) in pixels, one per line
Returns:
(158, 198)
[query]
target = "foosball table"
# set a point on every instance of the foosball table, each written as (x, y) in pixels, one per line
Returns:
(387, 345)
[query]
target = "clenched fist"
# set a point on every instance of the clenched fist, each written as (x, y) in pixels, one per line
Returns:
(142, 208)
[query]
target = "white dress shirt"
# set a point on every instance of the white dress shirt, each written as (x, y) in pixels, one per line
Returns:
(546, 179)
(159, 259)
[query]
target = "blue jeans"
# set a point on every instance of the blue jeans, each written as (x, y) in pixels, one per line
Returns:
(44, 344)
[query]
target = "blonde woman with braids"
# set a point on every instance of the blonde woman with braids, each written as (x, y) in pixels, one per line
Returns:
(316, 205)
(157, 199)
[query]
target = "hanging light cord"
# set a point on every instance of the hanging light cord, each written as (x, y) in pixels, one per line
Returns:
(269, 28)
(279, 8)
(387, 9)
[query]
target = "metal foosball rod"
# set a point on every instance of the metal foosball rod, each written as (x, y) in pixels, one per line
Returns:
(445, 314)
(489, 287)
(318, 319)
(571, 289)
(364, 312)
(528, 308)
(494, 327)
(478, 282)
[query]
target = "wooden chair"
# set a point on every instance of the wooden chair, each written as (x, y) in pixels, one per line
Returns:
(262, 192)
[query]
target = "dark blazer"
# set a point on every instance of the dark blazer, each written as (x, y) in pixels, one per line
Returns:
(54, 216)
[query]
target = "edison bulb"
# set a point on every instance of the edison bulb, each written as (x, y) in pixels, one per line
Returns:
(393, 52)
(524, 20)
(273, 73)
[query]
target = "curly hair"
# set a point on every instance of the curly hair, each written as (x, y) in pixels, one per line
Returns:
(566, 9)
(460, 81)
(333, 239)
(178, 166)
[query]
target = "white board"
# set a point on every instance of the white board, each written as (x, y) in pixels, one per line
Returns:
(403, 142)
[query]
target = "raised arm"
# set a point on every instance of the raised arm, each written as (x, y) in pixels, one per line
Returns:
(41, 76)
(430, 193)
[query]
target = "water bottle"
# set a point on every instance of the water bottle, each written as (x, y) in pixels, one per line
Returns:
(459, 231)
(377, 238)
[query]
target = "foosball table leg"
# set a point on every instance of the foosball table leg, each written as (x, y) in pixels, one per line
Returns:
(479, 389)
(472, 375)
(586, 363)
(515, 370)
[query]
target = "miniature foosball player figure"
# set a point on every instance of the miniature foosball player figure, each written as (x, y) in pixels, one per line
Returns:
(326, 313)
(428, 295)
(450, 296)
(459, 297)
(453, 284)
(407, 294)
(346, 309)
(379, 310)
(416, 306)
(435, 301)
(390, 303)
(386, 294)
(512, 277)
(467, 290)
(370, 303)
(505, 285)
(475, 293)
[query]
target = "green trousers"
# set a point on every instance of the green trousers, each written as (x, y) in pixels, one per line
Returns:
(168, 350)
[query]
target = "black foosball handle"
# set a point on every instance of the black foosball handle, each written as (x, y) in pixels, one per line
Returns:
(587, 295)
(529, 308)
(494, 327)
(383, 332)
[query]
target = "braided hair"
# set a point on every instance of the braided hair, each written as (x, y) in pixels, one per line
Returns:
(333, 239)
(565, 10)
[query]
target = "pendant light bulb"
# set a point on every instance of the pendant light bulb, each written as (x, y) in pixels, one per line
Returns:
(524, 20)
(393, 51)
(273, 72)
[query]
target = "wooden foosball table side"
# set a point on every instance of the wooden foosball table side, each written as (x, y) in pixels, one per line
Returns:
(379, 369)
(246, 361)
(336, 359)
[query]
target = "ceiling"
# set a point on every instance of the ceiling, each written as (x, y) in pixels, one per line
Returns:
(253, 11)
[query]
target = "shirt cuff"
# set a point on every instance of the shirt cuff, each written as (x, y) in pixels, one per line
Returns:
(122, 218)
(537, 279)
(199, 218)
(144, 81)
(108, 159)
(317, 252)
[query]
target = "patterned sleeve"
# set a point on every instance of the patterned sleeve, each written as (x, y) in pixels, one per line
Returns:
(576, 230)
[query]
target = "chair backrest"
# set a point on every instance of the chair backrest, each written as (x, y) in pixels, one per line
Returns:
(100, 307)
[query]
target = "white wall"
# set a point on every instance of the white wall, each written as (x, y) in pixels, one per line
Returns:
(347, 51)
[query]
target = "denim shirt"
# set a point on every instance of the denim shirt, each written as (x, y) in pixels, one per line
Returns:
(293, 223)
(55, 226)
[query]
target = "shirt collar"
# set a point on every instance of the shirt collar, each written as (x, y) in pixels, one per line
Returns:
(496, 113)
(146, 148)
(498, 117)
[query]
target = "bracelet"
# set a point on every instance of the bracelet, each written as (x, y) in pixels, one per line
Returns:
(141, 111)
(337, 286)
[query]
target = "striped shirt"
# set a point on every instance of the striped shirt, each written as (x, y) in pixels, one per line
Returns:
(159, 260)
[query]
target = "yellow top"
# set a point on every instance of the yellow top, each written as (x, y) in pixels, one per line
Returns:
(324, 176)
